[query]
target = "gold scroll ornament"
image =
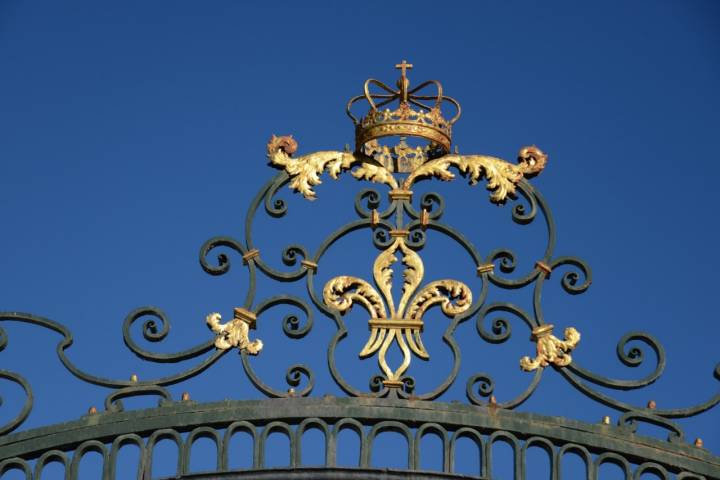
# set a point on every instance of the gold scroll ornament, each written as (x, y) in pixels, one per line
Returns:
(235, 333)
(404, 323)
(550, 349)
(502, 176)
(305, 171)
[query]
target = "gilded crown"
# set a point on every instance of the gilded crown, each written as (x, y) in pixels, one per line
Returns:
(413, 117)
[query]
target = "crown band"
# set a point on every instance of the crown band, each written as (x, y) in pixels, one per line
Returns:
(366, 134)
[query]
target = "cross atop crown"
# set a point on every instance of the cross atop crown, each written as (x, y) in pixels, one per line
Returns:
(404, 65)
(403, 83)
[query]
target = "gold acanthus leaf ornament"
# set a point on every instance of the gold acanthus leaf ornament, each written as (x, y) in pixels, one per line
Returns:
(305, 171)
(502, 176)
(402, 324)
(374, 173)
(550, 349)
(235, 333)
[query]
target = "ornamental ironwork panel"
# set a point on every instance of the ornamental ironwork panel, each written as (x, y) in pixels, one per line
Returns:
(402, 139)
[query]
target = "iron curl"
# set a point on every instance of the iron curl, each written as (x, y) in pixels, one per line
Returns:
(480, 385)
(223, 263)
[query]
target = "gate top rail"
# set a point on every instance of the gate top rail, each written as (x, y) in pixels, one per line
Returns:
(368, 416)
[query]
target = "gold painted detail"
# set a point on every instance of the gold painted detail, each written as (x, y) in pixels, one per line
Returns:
(235, 333)
(374, 173)
(502, 176)
(410, 116)
(395, 323)
(309, 265)
(393, 383)
(400, 194)
(250, 255)
(404, 324)
(550, 349)
(399, 233)
(485, 268)
(401, 158)
(305, 171)
(543, 267)
(403, 122)
(424, 218)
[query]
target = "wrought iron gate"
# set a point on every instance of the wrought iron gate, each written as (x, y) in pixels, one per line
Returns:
(394, 400)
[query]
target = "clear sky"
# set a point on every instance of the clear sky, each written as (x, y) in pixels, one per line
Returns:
(131, 132)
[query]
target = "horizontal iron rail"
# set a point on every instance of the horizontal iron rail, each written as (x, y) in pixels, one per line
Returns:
(334, 473)
(184, 416)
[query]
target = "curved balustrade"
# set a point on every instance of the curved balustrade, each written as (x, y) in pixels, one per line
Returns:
(184, 423)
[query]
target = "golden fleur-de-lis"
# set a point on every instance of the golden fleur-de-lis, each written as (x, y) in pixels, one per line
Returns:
(404, 323)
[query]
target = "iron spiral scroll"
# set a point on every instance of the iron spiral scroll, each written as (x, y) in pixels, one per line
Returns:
(412, 220)
(401, 226)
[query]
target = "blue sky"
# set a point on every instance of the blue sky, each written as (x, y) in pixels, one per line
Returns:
(132, 132)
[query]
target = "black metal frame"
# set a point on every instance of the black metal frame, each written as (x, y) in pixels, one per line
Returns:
(404, 408)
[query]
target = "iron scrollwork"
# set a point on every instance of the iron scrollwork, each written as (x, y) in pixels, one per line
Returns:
(398, 230)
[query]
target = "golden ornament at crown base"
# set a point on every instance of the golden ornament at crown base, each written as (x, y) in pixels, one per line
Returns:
(429, 126)
(378, 163)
